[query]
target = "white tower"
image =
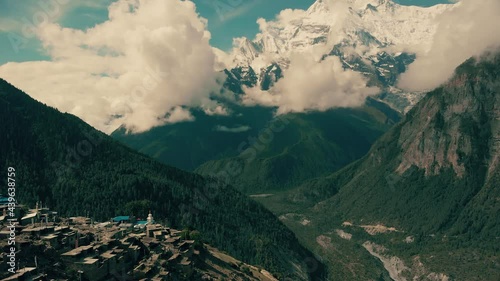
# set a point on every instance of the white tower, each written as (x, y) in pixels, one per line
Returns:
(149, 225)
(150, 218)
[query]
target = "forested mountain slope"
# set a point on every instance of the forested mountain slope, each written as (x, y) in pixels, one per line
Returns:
(71, 167)
(426, 197)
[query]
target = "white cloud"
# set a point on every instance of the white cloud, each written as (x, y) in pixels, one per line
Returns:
(240, 129)
(310, 84)
(216, 110)
(284, 18)
(148, 62)
(223, 59)
(467, 30)
(179, 114)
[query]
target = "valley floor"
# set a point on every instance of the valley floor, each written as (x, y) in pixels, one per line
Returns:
(377, 252)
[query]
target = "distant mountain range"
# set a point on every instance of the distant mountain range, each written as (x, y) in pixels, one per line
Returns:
(373, 37)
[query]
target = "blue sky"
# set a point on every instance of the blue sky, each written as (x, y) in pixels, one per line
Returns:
(227, 19)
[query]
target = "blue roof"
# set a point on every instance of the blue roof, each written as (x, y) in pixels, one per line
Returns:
(121, 218)
(142, 222)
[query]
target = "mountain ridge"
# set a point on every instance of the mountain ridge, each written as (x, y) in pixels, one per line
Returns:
(448, 184)
(75, 169)
(369, 37)
(424, 199)
(448, 138)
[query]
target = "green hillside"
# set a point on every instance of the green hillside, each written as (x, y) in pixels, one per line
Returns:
(267, 153)
(436, 165)
(187, 145)
(427, 193)
(309, 145)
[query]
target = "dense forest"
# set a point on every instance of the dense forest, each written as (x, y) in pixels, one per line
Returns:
(76, 170)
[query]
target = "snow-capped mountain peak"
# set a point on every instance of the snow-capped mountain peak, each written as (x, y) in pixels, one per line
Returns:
(318, 7)
(336, 21)
(374, 37)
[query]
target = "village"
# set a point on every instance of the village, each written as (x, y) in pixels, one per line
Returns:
(48, 247)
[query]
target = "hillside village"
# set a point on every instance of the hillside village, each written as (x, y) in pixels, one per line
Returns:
(49, 247)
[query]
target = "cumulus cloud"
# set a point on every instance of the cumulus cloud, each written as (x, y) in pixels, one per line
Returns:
(217, 110)
(223, 60)
(468, 29)
(179, 114)
(143, 67)
(312, 84)
(284, 18)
